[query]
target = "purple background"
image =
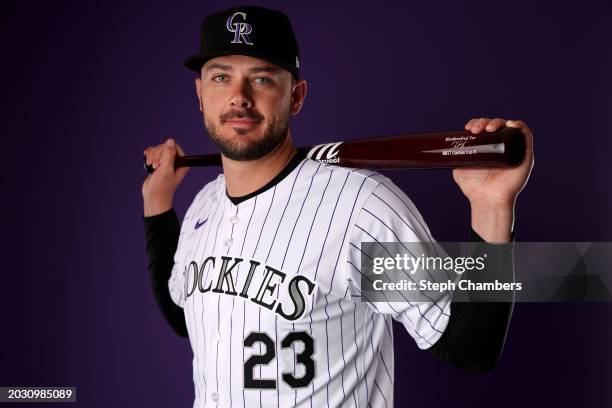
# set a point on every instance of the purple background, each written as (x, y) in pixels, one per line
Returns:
(86, 86)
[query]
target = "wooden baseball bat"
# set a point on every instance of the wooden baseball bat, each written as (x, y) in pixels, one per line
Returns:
(502, 148)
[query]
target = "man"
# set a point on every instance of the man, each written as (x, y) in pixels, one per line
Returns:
(264, 276)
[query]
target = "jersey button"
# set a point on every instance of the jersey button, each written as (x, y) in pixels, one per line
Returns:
(216, 336)
(234, 219)
(229, 242)
(215, 396)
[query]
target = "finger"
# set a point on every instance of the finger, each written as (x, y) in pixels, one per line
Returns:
(528, 136)
(469, 124)
(168, 152)
(479, 124)
(146, 154)
(153, 157)
(516, 124)
(519, 124)
(156, 155)
(179, 150)
(495, 124)
(181, 171)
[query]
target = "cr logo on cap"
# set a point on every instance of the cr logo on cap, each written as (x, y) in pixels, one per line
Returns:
(241, 30)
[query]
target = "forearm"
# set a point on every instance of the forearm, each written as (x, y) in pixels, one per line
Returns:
(493, 221)
(162, 233)
(474, 337)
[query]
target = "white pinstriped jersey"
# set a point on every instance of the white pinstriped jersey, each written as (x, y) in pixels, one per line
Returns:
(270, 290)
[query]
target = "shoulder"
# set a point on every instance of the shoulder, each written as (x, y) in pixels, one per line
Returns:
(210, 192)
(359, 188)
(389, 215)
(344, 180)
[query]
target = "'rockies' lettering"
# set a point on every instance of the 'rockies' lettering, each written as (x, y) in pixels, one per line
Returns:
(272, 279)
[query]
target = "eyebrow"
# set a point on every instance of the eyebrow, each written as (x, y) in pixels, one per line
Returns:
(270, 69)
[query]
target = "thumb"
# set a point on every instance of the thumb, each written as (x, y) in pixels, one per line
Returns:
(166, 161)
(180, 171)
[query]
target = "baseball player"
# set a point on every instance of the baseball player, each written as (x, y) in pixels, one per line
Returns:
(263, 274)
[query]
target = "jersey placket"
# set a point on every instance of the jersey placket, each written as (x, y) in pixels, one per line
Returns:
(223, 307)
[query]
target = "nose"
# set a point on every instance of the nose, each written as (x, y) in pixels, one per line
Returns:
(241, 95)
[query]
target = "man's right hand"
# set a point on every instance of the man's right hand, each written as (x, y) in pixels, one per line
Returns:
(159, 187)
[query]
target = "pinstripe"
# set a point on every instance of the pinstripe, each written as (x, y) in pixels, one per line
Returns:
(299, 215)
(408, 275)
(243, 323)
(193, 328)
(218, 328)
(315, 277)
(398, 239)
(267, 256)
(348, 222)
(259, 327)
(252, 256)
(284, 211)
(304, 252)
(366, 312)
(246, 233)
(217, 348)
(381, 393)
(346, 231)
(339, 301)
(264, 221)
(357, 352)
(385, 365)
(414, 216)
(410, 227)
(208, 227)
(277, 376)
(314, 217)
(431, 239)
(203, 310)
(282, 265)
(329, 227)
(342, 347)
(390, 304)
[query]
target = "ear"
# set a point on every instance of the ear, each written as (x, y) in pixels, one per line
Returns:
(198, 85)
(298, 95)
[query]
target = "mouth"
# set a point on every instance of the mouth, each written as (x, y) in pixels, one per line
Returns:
(242, 122)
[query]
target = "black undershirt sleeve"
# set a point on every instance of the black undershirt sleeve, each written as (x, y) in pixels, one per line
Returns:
(476, 331)
(162, 234)
(473, 339)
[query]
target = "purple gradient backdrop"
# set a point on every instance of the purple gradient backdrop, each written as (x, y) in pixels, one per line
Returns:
(86, 86)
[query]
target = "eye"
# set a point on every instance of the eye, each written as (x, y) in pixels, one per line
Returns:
(219, 78)
(262, 80)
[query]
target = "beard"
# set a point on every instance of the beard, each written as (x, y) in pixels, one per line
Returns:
(245, 150)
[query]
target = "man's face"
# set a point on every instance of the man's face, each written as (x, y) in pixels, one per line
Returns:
(246, 103)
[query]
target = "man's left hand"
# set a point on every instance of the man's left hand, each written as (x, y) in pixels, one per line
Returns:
(492, 192)
(496, 186)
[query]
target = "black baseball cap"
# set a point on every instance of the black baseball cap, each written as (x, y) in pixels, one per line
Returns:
(248, 30)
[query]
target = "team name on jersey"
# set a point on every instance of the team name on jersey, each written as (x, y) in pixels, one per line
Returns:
(219, 279)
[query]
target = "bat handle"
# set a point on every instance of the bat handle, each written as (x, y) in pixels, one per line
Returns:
(185, 161)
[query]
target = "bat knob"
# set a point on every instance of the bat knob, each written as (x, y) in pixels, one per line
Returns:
(147, 167)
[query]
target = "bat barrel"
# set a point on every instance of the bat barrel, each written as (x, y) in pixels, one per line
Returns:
(505, 147)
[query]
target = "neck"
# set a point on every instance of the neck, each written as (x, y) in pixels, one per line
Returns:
(244, 177)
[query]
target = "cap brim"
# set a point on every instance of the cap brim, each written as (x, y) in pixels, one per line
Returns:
(197, 61)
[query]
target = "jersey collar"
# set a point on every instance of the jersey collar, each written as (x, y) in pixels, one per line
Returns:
(293, 163)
